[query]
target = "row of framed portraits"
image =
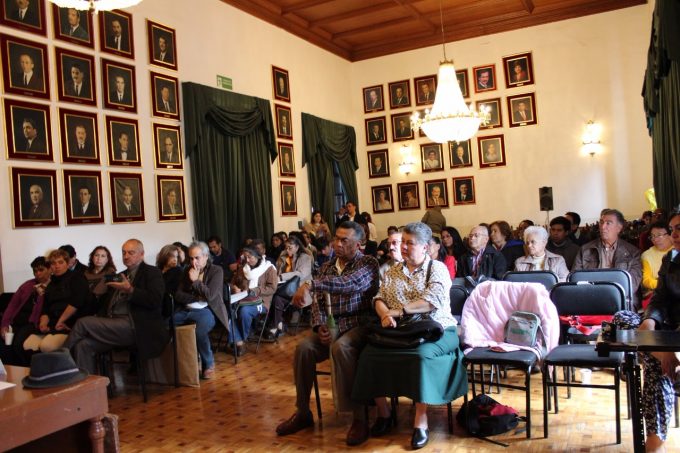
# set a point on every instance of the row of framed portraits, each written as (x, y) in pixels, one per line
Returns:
(35, 199)
(116, 36)
(436, 194)
(521, 111)
(26, 73)
(28, 131)
(518, 71)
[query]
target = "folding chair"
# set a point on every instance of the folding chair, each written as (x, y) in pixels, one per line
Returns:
(546, 278)
(607, 275)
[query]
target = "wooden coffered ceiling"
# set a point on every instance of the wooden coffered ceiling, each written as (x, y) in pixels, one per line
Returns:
(362, 29)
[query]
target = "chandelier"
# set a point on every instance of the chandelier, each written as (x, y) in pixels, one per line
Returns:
(449, 119)
(95, 5)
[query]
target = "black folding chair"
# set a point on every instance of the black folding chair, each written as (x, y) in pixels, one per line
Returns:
(546, 278)
(458, 295)
(607, 275)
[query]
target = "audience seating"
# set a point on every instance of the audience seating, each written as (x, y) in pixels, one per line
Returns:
(607, 275)
(458, 295)
(546, 278)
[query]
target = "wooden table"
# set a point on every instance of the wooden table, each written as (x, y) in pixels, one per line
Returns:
(29, 414)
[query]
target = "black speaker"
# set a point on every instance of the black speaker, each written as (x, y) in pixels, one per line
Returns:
(545, 198)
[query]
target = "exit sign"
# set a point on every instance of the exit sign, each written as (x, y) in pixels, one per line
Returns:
(224, 82)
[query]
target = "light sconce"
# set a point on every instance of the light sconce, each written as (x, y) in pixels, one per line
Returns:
(591, 138)
(407, 163)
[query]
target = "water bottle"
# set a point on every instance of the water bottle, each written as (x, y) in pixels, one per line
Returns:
(330, 320)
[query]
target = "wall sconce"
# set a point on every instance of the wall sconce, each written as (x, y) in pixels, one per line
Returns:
(591, 138)
(407, 162)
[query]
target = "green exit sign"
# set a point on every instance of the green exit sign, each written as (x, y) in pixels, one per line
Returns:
(224, 82)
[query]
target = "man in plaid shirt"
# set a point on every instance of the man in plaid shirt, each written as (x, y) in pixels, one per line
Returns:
(351, 278)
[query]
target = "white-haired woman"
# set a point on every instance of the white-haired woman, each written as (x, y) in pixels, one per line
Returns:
(537, 257)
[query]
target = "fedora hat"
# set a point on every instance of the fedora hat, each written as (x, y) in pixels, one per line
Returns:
(52, 369)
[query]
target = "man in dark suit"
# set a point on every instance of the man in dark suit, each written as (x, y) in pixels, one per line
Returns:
(163, 53)
(376, 134)
(399, 98)
(72, 27)
(373, 102)
(169, 155)
(289, 201)
(403, 131)
(484, 81)
(126, 206)
(286, 163)
(425, 96)
(165, 103)
(86, 207)
(133, 315)
(460, 156)
(119, 93)
(39, 208)
(123, 151)
(171, 204)
(463, 193)
(378, 166)
(78, 87)
(31, 143)
(116, 39)
(352, 215)
(521, 114)
(27, 78)
(81, 146)
(24, 13)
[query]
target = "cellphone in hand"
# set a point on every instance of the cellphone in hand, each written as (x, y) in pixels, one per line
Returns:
(117, 278)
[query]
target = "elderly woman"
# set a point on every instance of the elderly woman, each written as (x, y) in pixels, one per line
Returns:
(100, 264)
(431, 373)
(537, 257)
(318, 226)
(500, 235)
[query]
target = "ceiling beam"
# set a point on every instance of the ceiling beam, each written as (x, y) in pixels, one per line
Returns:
(372, 27)
(352, 14)
(302, 5)
(528, 5)
(406, 4)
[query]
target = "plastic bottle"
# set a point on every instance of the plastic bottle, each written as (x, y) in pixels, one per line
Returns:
(330, 320)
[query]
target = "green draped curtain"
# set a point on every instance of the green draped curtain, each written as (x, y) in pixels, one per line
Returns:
(231, 145)
(325, 142)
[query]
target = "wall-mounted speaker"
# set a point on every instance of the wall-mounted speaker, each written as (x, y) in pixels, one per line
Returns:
(545, 198)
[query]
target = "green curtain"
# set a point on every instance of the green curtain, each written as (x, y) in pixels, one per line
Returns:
(231, 145)
(325, 142)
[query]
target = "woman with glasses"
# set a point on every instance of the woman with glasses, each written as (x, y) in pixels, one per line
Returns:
(537, 257)
(651, 258)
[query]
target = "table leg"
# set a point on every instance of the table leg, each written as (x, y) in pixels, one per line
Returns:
(632, 369)
(97, 434)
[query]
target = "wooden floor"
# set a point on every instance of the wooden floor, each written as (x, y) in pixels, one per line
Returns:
(239, 409)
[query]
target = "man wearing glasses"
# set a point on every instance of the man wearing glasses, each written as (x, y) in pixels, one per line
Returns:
(482, 260)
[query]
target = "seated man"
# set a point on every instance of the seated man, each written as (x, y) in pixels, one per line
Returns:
(73, 263)
(199, 300)
(133, 315)
(560, 243)
(394, 252)
(482, 259)
(384, 247)
(222, 257)
(351, 279)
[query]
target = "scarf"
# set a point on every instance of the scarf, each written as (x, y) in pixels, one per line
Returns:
(253, 275)
(537, 263)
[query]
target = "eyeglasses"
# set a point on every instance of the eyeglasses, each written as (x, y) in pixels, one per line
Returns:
(657, 236)
(477, 235)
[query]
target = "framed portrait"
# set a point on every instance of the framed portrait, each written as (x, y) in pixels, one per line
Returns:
(284, 122)
(431, 157)
(24, 15)
(75, 77)
(83, 196)
(464, 190)
(73, 26)
(400, 94)
(165, 95)
(79, 137)
(167, 146)
(170, 198)
(462, 77)
(286, 159)
(288, 198)
(378, 164)
(376, 132)
(127, 197)
(436, 193)
(25, 69)
(401, 127)
(118, 88)
(409, 198)
(522, 110)
(115, 33)
(122, 142)
(162, 45)
(460, 154)
(493, 106)
(34, 197)
(280, 84)
(491, 151)
(28, 131)
(373, 99)
(485, 78)
(519, 70)
(383, 201)
(425, 87)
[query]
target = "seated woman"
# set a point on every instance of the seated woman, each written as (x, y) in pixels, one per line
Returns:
(318, 226)
(452, 242)
(66, 299)
(662, 313)
(295, 262)
(23, 314)
(257, 277)
(537, 257)
(100, 264)
(652, 257)
(500, 235)
(433, 372)
(437, 252)
(167, 261)
(276, 246)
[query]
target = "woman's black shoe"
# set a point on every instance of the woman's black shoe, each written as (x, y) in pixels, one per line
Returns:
(382, 426)
(272, 336)
(419, 438)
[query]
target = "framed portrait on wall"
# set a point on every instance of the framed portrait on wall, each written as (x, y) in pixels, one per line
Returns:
(519, 70)
(425, 87)
(436, 193)
(115, 33)
(288, 198)
(118, 88)
(401, 127)
(28, 131)
(280, 84)
(409, 198)
(24, 15)
(460, 154)
(162, 45)
(378, 163)
(383, 201)
(284, 122)
(34, 197)
(462, 77)
(491, 151)
(373, 99)
(485, 78)
(493, 106)
(522, 110)
(123, 142)
(127, 197)
(83, 195)
(170, 198)
(167, 146)
(75, 76)
(464, 190)
(286, 159)
(73, 26)
(400, 94)
(79, 137)
(165, 95)
(376, 132)
(431, 157)
(25, 69)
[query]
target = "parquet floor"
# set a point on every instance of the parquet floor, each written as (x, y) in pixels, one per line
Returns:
(239, 409)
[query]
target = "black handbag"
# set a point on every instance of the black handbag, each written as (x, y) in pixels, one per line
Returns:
(288, 288)
(411, 331)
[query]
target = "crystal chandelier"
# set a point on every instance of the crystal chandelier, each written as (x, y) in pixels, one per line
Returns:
(95, 5)
(450, 119)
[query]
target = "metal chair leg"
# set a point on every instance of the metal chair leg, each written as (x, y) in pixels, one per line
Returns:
(318, 399)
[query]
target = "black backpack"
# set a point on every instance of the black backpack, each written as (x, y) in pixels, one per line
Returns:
(483, 416)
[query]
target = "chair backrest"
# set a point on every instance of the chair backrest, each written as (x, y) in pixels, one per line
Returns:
(546, 278)
(5, 298)
(226, 295)
(459, 295)
(588, 298)
(606, 275)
